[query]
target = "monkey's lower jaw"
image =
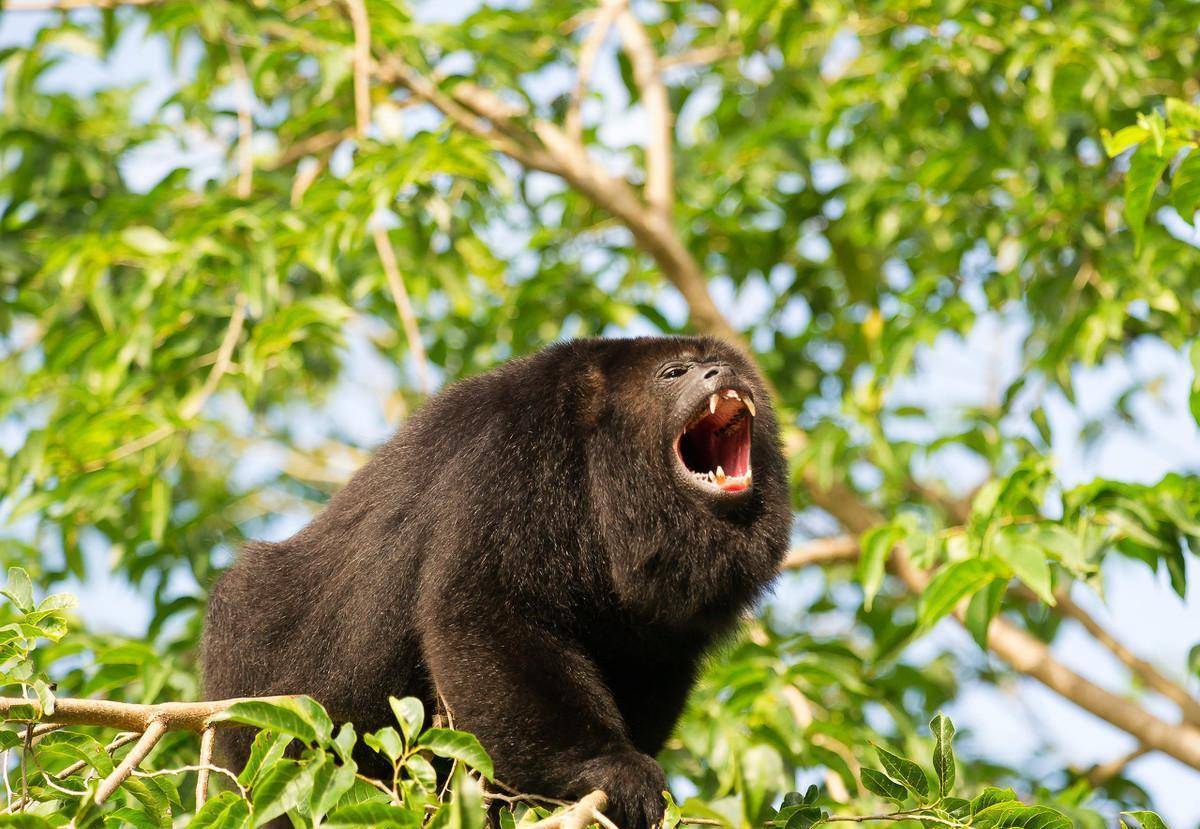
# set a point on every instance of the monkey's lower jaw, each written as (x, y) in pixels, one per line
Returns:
(714, 449)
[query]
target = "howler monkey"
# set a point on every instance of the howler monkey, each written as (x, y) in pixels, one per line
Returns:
(551, 546)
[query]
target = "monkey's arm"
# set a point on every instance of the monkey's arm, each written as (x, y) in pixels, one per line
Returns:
(541, 709)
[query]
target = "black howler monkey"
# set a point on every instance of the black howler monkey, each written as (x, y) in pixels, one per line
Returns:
(552, 546)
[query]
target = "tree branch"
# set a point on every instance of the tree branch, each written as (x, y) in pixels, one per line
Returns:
(601, 23)
(245, 121)
(362, 65)
(561, 156)
(208, 738)
(660, 171)
(145, 744)
(128, 716)
(1018, 648)
(587, 811)
(1188, 706)
(1101, 773)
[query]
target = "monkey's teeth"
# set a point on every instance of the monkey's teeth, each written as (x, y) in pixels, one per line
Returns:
(750, 405)
(712, 403)
(731, 394)
(720, 474)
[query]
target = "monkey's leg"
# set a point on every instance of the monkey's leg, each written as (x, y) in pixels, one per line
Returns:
(542, 711)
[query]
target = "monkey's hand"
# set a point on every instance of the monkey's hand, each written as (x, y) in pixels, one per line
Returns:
(634, 784)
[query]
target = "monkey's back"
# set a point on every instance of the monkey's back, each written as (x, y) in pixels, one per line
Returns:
(332, 612)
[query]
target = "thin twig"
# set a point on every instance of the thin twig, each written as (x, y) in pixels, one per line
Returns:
(660, 172)
(74, 768)
(191, 408)
(145, 744)
(361, 24)
(602, 21)
(208, 739)
(408, 319)
(201, 768)
(224, 360)
(1101, 773)
(245, 120)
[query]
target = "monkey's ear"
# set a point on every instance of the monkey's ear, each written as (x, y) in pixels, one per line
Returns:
(589, 396)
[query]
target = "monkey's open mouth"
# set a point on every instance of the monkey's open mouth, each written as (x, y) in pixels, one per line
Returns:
(715, 446)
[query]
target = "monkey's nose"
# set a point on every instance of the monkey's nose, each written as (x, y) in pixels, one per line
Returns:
(718, 371)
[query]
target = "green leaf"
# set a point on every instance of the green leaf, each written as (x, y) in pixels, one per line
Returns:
(410, 713)
(265, 751)
(1185, 186)
(145, 239)
(372, 815)
(1194, 396)
(879, 783)
(982, 608)
(1026, 561)
(990, 797)
(387, 741)
(1120, 141)
(1182, 114)
(1012, 814)
(1148, 819)
(281, 787)
(458, 745)
(19, 589)
(421, 770)
(877, 544)
(952, 584)
(1145, 169)
(330, 781)
(277, 717)
(25, 821)
(225, 811)
(943, 752)
(904, 771)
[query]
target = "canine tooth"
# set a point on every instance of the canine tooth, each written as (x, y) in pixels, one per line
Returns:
(720, 474)
(750, 405)
(712, 403)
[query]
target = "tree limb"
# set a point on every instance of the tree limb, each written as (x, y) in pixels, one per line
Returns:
(208, 738)
(1188, 706)
(601, 23)
(362, 65)
(128, 716)
(1023, 651)
(560, 155)
(587, 811)
(660, 171)
(245, 121)
(145, 744)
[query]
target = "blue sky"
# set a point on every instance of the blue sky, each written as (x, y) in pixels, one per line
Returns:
(1019, 723)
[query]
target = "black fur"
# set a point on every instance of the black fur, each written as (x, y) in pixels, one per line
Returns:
(525, 544)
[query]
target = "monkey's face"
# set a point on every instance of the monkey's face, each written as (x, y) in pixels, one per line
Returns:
(710, 427)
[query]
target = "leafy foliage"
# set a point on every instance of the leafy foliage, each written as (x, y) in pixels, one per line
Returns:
(197, 336)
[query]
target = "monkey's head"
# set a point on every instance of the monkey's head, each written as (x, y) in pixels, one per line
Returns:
(685, 468)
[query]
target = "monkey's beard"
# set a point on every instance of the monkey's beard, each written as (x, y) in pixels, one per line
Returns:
(715, 448)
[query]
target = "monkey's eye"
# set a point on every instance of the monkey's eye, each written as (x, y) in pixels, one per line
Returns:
(671, 372)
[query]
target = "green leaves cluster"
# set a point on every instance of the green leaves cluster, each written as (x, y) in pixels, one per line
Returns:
(859, 182)
(907, 785)
(1156, 140)
(26, 623)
